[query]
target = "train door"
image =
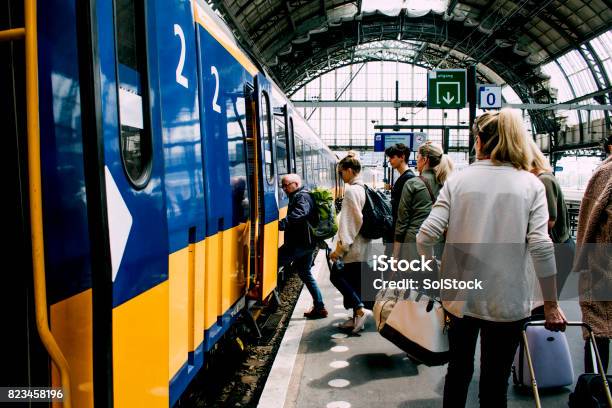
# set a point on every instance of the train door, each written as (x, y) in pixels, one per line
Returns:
(282, 148)
(224, 77)
(25, 360)
(175, 42)
(267, 223)
(51, 175)
(283, 162)
(133, 171)
(291, 136)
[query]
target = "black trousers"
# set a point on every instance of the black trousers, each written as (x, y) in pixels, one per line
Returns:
(564, 259)
(603, 346)
(498, 344)
(352, 283)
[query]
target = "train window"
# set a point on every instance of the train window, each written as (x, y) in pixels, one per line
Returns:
(315, 167)
(299, 158)
(267, 136)
(308, 163)
(292, 145)
(237, 155)
(135, 137)
(281, 145)
(323, 170)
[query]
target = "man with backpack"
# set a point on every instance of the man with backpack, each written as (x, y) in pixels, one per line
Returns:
(299, 246)
(398, 159)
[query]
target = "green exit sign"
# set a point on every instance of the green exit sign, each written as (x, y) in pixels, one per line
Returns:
(446, 89)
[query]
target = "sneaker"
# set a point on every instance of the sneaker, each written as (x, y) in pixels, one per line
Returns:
(349, 324)
(316, 313)
(360, 320)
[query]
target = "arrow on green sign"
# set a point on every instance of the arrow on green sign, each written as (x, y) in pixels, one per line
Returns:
(446, 89)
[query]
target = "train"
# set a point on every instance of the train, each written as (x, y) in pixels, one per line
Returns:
(145, 151)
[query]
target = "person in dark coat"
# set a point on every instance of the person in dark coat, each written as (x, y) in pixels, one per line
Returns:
(299, 247)
(398, 159)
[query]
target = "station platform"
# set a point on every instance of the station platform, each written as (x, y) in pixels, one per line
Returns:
(318, 365)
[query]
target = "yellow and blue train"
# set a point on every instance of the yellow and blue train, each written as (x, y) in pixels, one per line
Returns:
(144, 202)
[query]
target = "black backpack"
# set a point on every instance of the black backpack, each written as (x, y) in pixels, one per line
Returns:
(377, 215)
(589, 392)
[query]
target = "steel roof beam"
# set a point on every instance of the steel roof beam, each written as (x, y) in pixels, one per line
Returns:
(245, 37)
(289, 14)
(589, 55)
(451, 6)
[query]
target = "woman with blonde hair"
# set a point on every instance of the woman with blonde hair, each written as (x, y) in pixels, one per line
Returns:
(351, 246)
(558, 216)
(419, 194)
(490, 212)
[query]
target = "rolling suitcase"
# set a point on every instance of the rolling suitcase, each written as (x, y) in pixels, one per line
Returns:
(552, 361)
(587, 393)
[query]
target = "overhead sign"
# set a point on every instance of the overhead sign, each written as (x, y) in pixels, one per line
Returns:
(558, 168)
(446, 89)
(411, 139)
(489, 96)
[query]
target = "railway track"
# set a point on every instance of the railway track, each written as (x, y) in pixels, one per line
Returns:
(238, 367)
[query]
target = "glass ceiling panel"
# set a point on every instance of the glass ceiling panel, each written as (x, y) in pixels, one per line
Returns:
(344, 126)
(558, 81)
(510, 96)
(603, 47)
(578, 73)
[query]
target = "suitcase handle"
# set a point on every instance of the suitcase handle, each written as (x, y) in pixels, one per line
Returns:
(534, 384)
(542, 322)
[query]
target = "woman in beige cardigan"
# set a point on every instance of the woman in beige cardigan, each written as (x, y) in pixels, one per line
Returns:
(593, 259)
(351, 246)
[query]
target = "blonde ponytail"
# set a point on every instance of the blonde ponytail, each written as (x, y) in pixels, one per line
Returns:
(444, 169)
(503, 137)
(538, 161)
(440, 163)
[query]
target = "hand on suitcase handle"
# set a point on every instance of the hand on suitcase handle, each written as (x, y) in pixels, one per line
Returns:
(555, 318)
(543, 323)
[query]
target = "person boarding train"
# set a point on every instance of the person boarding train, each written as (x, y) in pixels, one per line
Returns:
(299, 247)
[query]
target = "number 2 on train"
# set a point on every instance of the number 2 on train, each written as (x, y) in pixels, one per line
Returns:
(180, 78)
(215, 105)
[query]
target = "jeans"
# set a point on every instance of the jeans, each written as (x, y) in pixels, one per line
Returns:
(498, 344)
(347, 279)
(603, 346)
(302, 262)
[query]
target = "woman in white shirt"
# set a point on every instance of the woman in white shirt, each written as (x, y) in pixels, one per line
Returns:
(494, 212)
(351, 246)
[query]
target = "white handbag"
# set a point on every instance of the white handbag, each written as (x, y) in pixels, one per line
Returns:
(415, 323)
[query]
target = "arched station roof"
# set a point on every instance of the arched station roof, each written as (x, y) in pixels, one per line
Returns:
(508, 40)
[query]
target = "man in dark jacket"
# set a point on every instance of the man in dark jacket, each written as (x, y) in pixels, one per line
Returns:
(398, 159)
(299, 247)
